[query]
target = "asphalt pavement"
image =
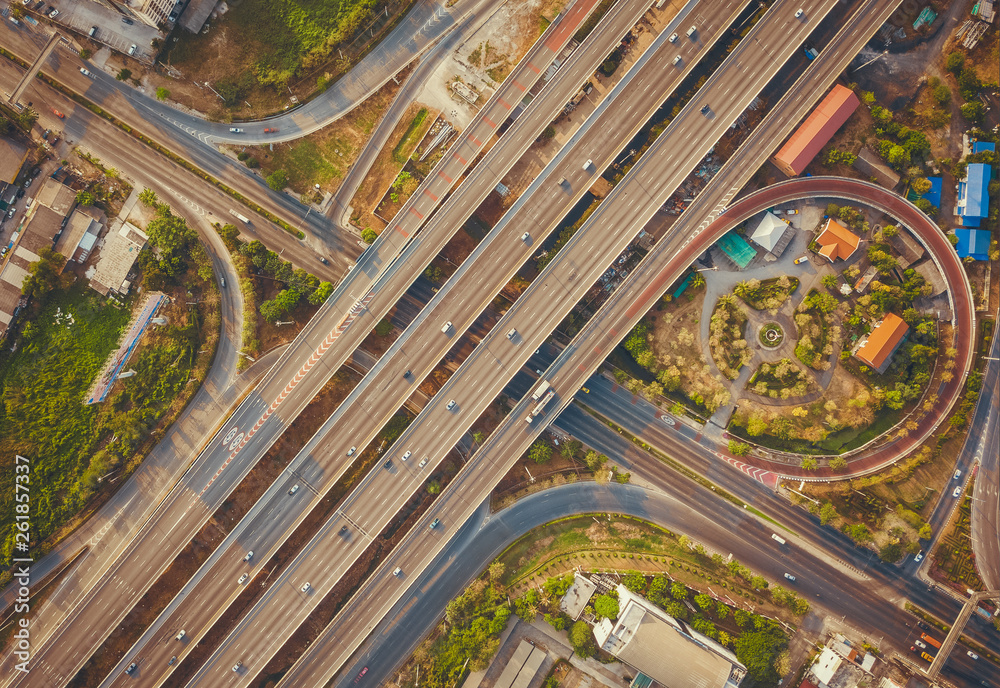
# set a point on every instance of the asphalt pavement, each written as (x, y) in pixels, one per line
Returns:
(982, 447)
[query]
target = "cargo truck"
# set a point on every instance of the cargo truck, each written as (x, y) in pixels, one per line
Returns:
(540, 390)
(930, 641)
(540, 406)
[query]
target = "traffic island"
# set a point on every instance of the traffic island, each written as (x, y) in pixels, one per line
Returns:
(771, 335)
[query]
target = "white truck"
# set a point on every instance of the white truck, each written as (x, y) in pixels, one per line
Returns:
(540, 390)
(540, 406)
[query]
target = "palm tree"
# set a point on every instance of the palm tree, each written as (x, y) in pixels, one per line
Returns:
(698, 281)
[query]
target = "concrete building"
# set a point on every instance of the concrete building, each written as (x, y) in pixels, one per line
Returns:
(118, 255)
(153, 12)
(57, 197)
(769, 232)
(816, 131)
(973, 243)
(666, 649)
(837, 241)
(877, 348)
(12, 156)
(973, 195)
(575, 600)
(870, 164)
(196, 13)
(77, 240)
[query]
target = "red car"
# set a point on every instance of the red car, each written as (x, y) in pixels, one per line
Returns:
(58, 114)
(363, 672)
(269, 130)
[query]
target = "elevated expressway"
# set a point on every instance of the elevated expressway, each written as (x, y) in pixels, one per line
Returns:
(432, 434)
(360, 417)
(105, 584)
(481, 376)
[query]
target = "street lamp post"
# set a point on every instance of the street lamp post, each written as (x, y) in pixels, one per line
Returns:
(881, 54)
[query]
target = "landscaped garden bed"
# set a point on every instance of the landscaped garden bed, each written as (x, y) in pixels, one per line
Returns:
(768, 294)
(728, 343)
(782, 380)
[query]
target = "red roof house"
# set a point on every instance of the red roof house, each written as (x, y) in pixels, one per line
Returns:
(818, 128)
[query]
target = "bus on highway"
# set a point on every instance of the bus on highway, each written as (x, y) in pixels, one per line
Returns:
(930, 641)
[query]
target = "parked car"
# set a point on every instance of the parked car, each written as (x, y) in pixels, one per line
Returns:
(126, 20)
(799, 261)
(132, 49)
(53, 14)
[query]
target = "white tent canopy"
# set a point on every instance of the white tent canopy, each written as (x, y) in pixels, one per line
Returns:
(769, 231)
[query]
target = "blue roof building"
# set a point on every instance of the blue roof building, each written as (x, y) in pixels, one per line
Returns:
(983, 146)
(973, 243)
(973, 196)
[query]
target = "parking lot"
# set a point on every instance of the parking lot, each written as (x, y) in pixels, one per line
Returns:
(112, 31)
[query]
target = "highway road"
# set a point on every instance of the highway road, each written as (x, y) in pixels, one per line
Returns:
(426, 436)
(702, 516)
(982, 446)
(207, 484)
(485, 372)
(381, 393)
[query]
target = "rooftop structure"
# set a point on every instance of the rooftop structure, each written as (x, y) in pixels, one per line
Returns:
(56, 196)
(78, 238)
(737, 249)
(973, 243)
(522, 667)
(194, 17)
(871, 165)
(983, 146)
(12, 156)
(934, 195)
(575, 600)
(825, 667)
(909, 249)
(153, 12)
(120, 251)
(837, 241)
(36, 233)
(877, 348)
(816, 131)
(666, 649)
(769, 232)
(973, 195)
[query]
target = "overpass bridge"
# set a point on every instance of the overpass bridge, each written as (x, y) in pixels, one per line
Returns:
(47, 49)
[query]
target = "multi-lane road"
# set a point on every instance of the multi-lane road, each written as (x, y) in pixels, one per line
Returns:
(982, 446)
(307, 364)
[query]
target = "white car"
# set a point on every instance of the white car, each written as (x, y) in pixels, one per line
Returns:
(85, 72)
(243, 578)
(53, 14)
(972, 654)
(958, 474)
(423, 462)
(798, 13)
(920, 644)
(451, 404)
(406, 455)
(237, 666)
(305, 587)
(919, 557)
(790, 577)
(235, 130)
(673, 38)
(957, 492)
(350, 452)
(249, 556)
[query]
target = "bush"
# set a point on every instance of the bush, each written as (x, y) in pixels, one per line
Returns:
(368, 235)
(162, 93)
(738, 448)
(277, 180)
(606, 607)
(955, 63)
(582, 639)
(124, 74)
(383, 328)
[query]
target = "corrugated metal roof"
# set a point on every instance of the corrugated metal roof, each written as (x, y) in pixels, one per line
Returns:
(818, 128)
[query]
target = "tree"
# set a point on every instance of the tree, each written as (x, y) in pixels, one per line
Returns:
(921, 186)
(229, 234)
(705, 602)
(698, 281)
(277, 180)
(368, 235)
(973, 111)
(830, 282)
(383, 328)
(148, 197)
(678, 591)
(634, 581)
(809, 464)
(124, 74)
(85, 198)
(540, 452)
(44, 274)
(838, 463)
(738, 448)
(890, 552)
(925, 532)
(758, 649)
(581, 639)
(570, 448)
(898, 156)
(321, 294)
(606, 607)
(162, 93)
(26, 118)
(595, 461)
(756, 425)
(955, 63)
(827, 513)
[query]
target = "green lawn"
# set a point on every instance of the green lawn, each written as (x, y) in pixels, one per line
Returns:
(43, 384)
(43, 417)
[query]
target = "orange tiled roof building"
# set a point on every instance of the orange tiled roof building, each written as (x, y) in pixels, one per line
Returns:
(837, 241)
(816, 131)
(877, 350)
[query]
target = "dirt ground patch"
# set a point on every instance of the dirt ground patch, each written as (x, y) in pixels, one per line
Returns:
(382, 173)
(212, 534)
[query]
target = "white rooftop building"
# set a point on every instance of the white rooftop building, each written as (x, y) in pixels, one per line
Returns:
(666, 649)
(769, 231)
